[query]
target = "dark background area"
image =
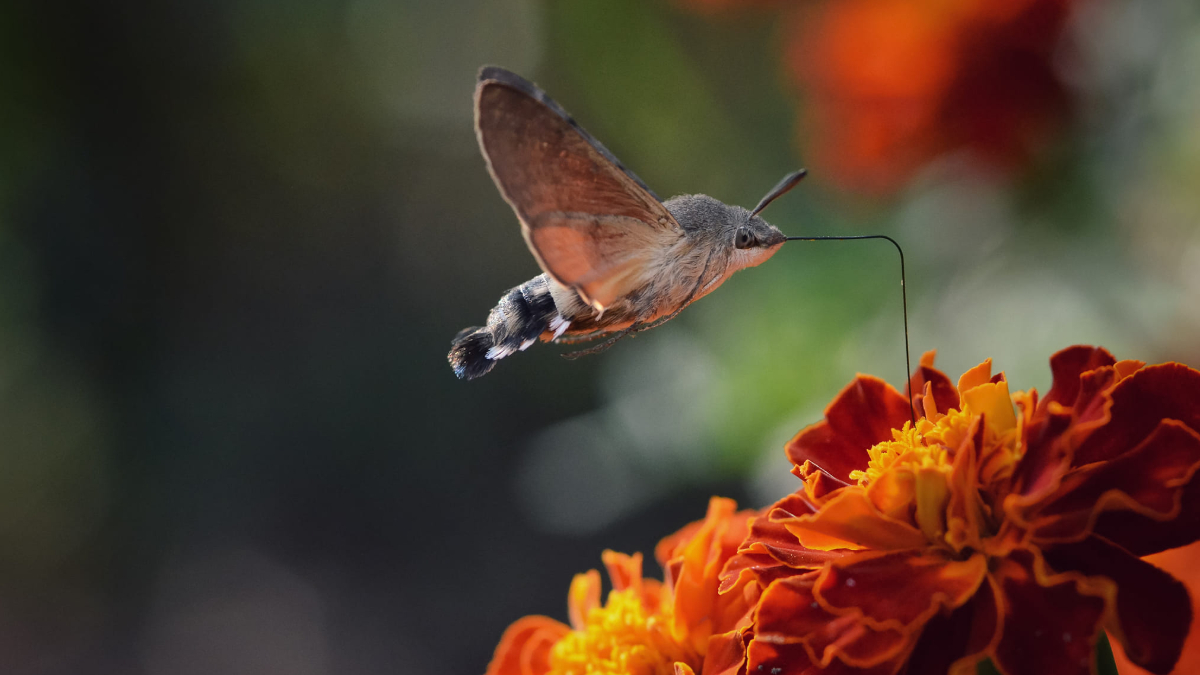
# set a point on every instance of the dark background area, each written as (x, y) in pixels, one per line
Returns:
(236, 238)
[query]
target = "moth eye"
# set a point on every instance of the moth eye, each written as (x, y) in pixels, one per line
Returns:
(744, 238)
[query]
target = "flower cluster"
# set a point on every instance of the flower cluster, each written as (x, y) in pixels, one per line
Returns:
(892, 84)
(975, 523)
(645, 627)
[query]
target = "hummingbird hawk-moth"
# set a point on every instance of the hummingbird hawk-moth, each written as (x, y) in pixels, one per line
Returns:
(615, 258)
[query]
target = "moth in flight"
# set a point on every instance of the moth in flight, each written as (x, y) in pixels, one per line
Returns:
(615, 258)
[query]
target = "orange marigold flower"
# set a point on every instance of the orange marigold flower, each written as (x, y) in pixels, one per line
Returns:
(679, 626)
(891, 84)
(1000, 525)
(894, 83)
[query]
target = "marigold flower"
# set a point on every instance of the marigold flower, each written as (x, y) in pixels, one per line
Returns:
(891, 84)
(1000, 525)
(679, 626)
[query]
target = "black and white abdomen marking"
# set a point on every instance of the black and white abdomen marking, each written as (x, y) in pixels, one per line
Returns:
(523, 313)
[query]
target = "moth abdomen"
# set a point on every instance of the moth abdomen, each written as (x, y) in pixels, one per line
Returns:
(523, 313)
(468, 353)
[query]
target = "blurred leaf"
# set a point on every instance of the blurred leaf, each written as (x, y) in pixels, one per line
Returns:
(644, 96)
(986, 667)
(1105, 663)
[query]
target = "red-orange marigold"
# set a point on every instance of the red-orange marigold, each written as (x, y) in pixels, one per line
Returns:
(889, 85)
(984, 530)
(680, 626)
(1000, 525)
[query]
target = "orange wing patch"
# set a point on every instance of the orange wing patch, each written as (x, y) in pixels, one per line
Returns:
(602, 257)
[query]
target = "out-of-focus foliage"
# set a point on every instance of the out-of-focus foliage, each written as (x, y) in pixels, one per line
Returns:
(236, 238)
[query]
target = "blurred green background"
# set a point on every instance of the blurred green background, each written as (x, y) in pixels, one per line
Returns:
(237, 237)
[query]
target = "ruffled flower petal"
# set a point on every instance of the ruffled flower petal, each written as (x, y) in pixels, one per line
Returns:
(1067, 365)
(583, 597)
(625, 571)
(955, 642)
(1139, 403)
(1183, 564)
(1153, 610)
(770, 551)
(933, 392)
(778, 659)
(696, 564)
(525, 647)
(1046, 457)
(863, 414)
(900, 590)
(726, 653)
(769, 535)
(980, 374)
(789, 613)
(1149, 480)
(1077, 404)
(764, 658)
(721, 515)
(1142, 535)
(965, 515)
(749, 566)
(1050, 626)
(850, 520)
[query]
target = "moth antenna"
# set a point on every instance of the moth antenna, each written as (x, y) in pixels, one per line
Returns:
(903, 293)
(781, 188)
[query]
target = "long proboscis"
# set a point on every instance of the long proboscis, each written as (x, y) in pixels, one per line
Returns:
(783, 187)
(903, 299)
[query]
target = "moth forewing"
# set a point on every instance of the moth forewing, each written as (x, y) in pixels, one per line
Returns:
(584, 218)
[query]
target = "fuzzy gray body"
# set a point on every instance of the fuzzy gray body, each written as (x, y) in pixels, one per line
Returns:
(715, 241)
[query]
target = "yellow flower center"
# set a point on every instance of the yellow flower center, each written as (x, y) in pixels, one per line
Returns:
(913, 477)
(908, 447)
(932, 443)
(950, 431)
(621, 638)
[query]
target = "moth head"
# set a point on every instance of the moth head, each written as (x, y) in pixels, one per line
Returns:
(754, 232)
(757, 240)
(754, 240)
(743, 239)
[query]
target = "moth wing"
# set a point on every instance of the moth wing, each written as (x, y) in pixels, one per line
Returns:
(591, 224)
